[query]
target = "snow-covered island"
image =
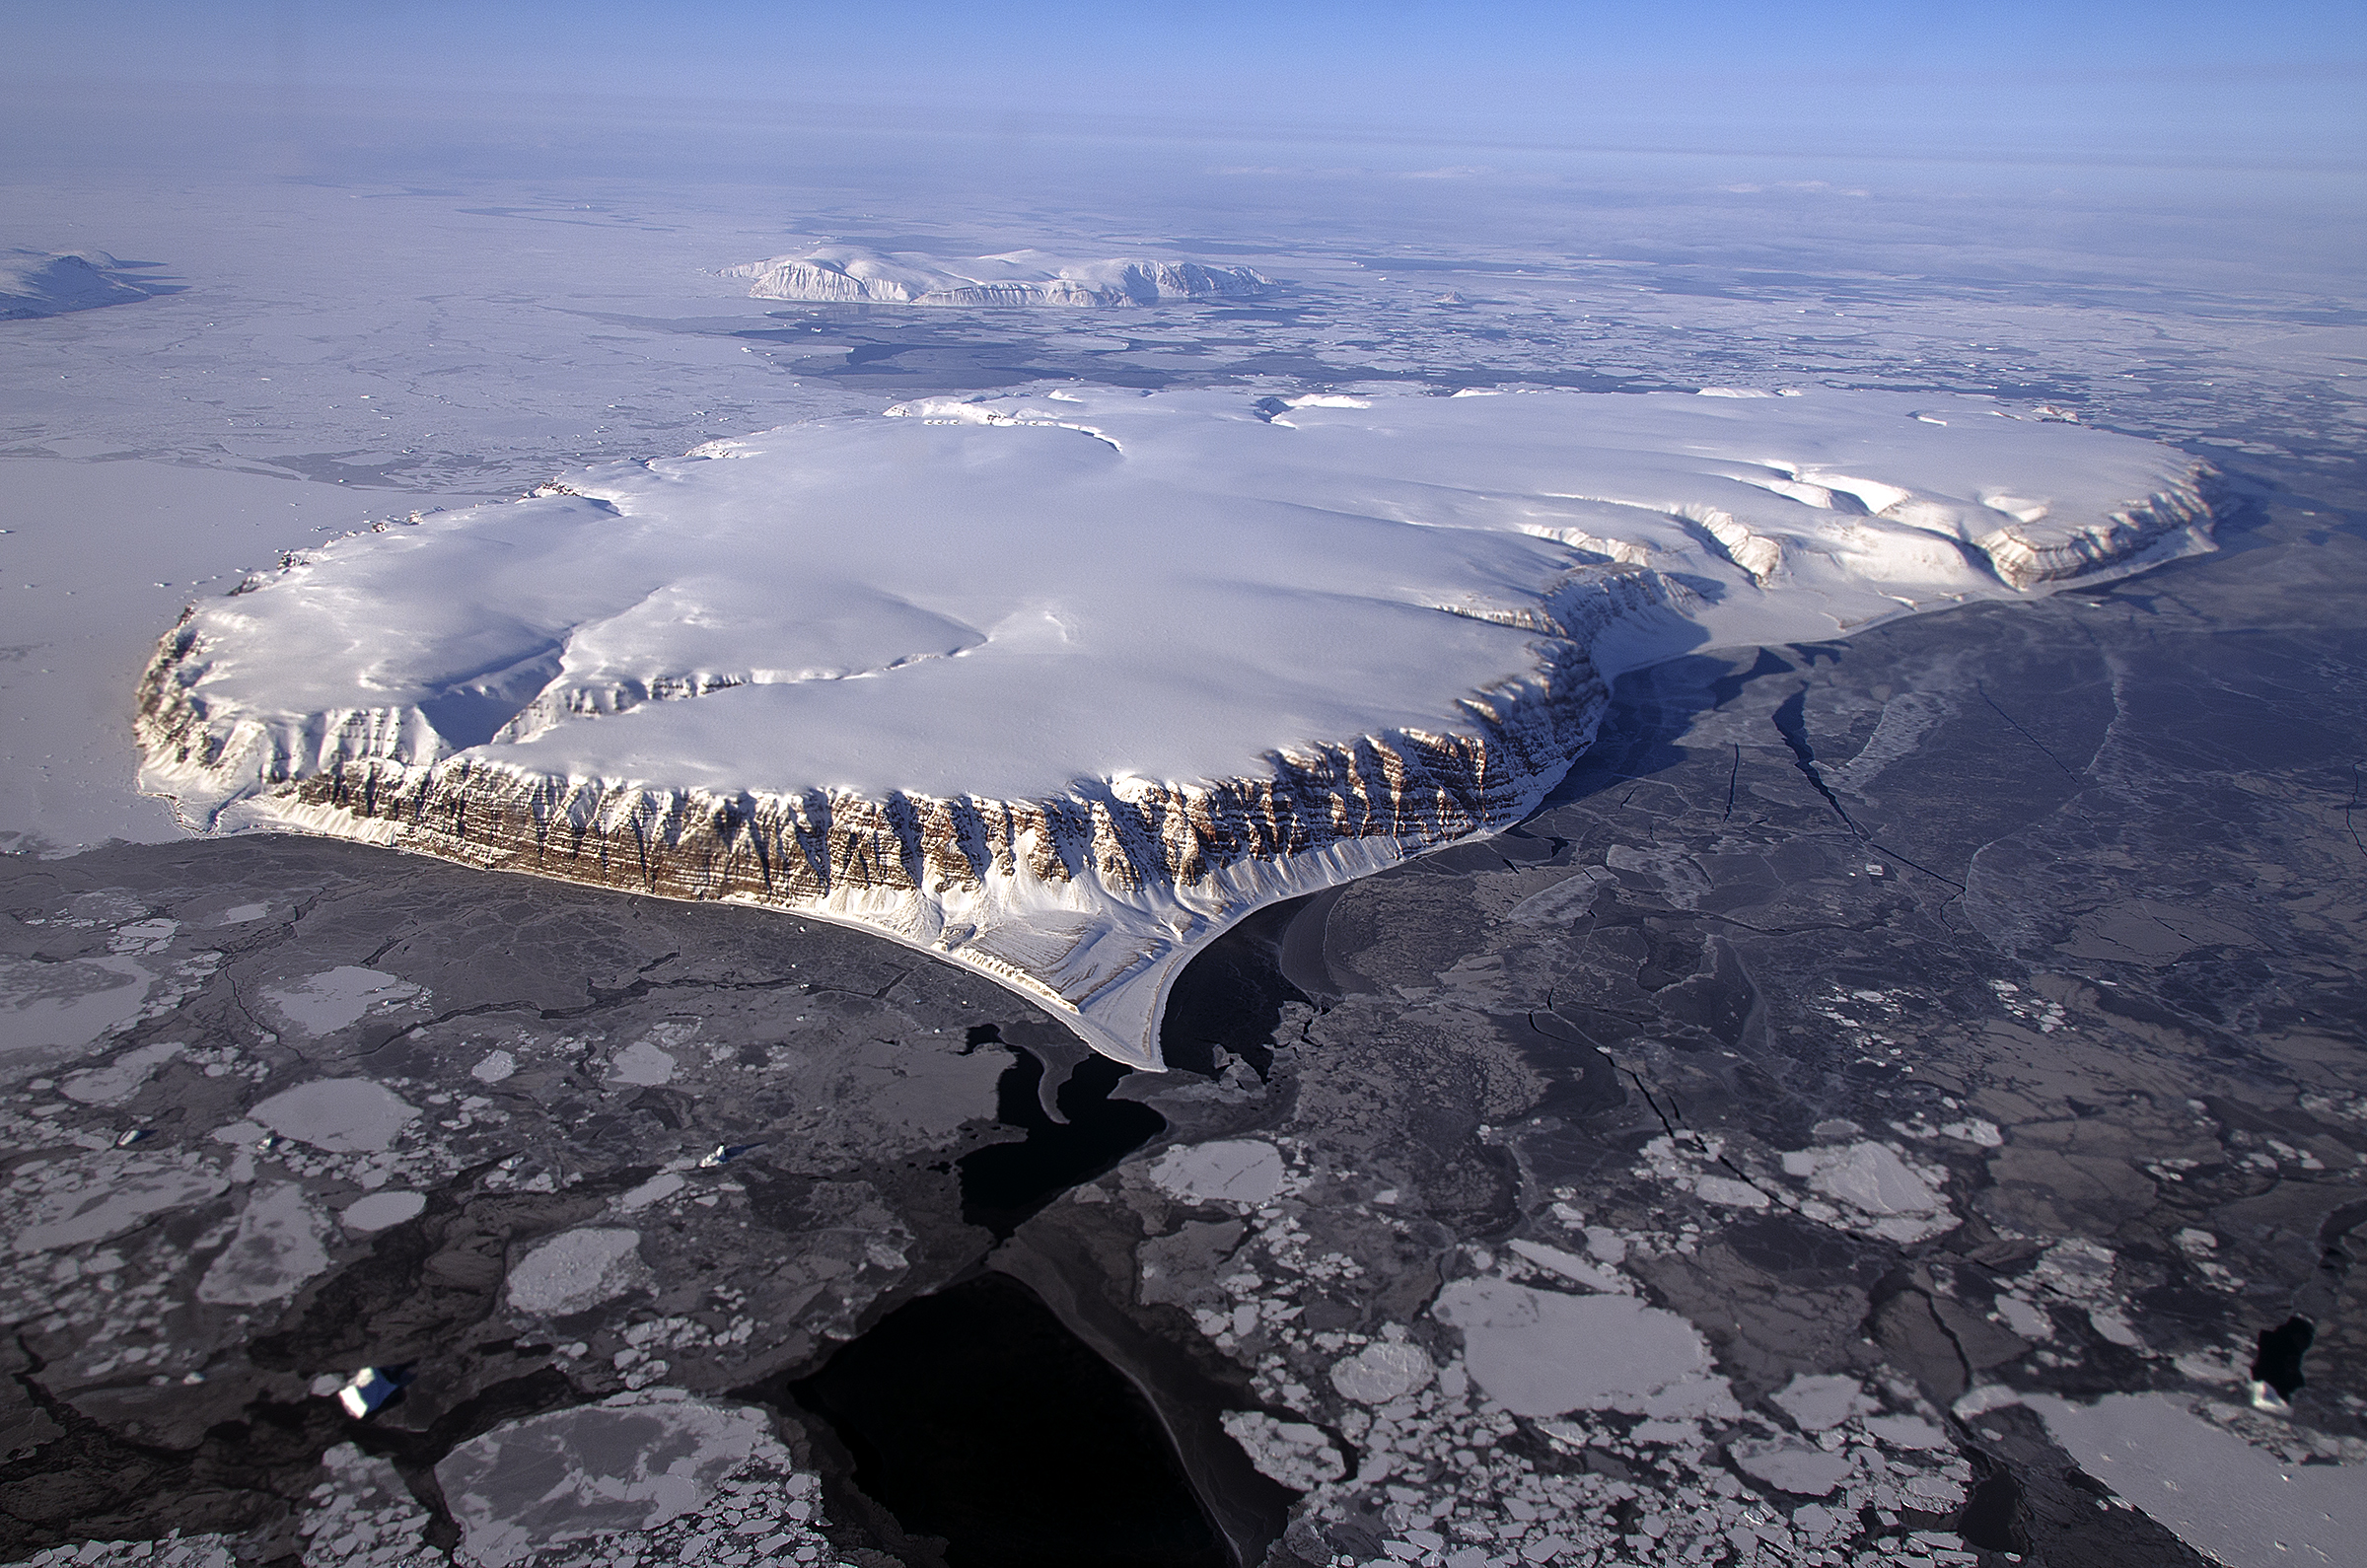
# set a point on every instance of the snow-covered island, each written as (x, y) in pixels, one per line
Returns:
(1058, 686)
(852, 275)
(35, 283)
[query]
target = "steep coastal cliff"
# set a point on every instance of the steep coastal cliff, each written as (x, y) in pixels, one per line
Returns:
(1057, 688)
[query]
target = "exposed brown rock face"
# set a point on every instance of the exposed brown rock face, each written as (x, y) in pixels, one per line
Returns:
(931, 870)
(788, 850)
(464, 692)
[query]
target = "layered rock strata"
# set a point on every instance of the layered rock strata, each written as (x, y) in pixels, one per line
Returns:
(1135, 665)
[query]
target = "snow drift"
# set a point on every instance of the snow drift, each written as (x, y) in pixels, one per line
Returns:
(1058, 686)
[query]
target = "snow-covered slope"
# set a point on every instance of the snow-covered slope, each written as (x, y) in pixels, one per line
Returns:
(1058, 686)
(850, 274)
(39, 283)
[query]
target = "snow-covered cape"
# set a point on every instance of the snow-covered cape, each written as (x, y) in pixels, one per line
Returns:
(1057, 687)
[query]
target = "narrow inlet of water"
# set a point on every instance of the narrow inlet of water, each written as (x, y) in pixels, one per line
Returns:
(1003, 1183)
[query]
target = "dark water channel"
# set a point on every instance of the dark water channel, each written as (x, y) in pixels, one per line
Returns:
(1005, 1182)
(1231, 996)
(987, 1432)
(973, 1415)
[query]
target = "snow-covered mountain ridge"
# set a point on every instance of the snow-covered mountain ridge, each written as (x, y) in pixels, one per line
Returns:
(850, 274)
(1059, 687)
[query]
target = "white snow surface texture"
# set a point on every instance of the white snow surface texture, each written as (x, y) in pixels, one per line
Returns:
(1097, 607)
(851, 274)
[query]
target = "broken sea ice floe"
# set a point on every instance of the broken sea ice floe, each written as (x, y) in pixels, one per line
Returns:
(1878, 1191)
(1231, 1171)
(343, 1115)
(577, 1270)
(1541, 1353)
(1299, 1456)
(280, 1244)
(627, 1463)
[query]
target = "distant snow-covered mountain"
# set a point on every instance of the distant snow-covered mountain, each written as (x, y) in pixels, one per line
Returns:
(46, 283)
(851, 274)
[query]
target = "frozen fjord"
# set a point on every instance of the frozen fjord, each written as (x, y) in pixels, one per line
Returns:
(1058, 686)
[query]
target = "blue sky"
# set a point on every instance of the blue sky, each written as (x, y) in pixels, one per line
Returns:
(2273, 80)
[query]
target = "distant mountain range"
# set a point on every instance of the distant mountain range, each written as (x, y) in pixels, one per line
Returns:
(853, 275)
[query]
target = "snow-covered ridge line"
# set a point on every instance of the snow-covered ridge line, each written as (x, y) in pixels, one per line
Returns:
(852, 275)
(1058, 688)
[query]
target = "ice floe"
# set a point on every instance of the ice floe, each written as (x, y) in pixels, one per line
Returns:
(1232, 1171)
(343, 1115)
(631, 1463)
(1540, 1353)
(380, 1210)
(577, 1270)
(278, 1246)
(2220, 1493)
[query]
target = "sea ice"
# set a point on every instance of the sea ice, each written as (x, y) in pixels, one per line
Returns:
(2218, 1492)
(1059, 687)
(121, 1077)
(853, 275)
(576, 1270)
(47, 1006)
(344, 1115)
(1791, 1465)
(1230, 1171)
(277, 1246)
(1299, 1456)
(1390, 1369)
(380, 1210)
(641, 1065)
(629, 1463)
(1538, 1353)
(323, 1004)
(116, 1198)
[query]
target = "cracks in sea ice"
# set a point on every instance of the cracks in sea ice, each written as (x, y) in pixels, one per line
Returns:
(1405, 1455)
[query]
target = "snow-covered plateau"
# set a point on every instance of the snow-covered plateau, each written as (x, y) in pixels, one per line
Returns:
(853, 275)
(1058, 686)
